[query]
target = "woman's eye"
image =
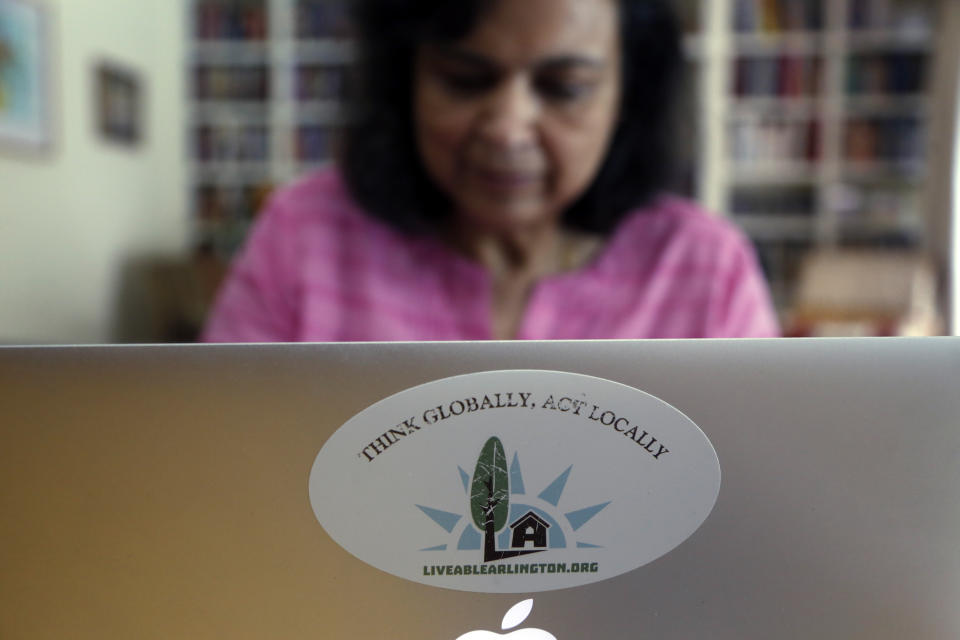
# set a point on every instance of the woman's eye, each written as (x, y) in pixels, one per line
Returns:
(563, 90)
(466, 83)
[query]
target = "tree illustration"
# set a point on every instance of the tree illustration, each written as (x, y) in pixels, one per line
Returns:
(490, 499)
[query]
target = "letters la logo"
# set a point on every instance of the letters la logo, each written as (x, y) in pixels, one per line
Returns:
(504, 520)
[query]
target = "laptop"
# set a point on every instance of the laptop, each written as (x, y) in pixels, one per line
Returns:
(567, 490)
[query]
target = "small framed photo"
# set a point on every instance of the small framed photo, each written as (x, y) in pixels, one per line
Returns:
(25, 58)
(119, 104)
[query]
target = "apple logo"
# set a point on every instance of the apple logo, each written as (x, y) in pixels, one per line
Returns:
(517, 614)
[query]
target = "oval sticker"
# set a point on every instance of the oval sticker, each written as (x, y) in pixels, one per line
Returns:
(514, 481)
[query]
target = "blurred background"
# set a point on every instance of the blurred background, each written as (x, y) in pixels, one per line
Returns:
(138, 139)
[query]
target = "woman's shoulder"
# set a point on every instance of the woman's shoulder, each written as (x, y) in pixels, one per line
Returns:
(677, 231)
(317, 197)
(675, 218)
(315, 217)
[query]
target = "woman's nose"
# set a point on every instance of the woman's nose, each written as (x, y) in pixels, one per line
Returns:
(510, 116)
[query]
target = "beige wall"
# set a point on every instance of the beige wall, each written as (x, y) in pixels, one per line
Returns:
(944, 137)
(72, 218)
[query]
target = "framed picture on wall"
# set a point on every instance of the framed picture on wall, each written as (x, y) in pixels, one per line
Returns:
(25, 104)
(119, 104)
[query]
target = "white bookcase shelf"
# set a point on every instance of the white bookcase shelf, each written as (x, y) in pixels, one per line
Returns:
(230, 52)
(820, 121)
(264, 80)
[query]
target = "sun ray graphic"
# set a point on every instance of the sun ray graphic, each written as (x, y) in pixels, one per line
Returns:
(554, 491)
(465, 479)
(516, 476)
(445, 519)
(469, 538)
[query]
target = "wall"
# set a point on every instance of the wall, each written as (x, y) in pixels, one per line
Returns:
(73, 218)
(944, 140)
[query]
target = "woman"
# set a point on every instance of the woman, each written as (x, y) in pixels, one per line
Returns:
(501, 178)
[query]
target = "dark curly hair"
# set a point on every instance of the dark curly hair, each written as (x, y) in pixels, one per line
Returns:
(379, 156)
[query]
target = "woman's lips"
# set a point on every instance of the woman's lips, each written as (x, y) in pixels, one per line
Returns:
(509, 180)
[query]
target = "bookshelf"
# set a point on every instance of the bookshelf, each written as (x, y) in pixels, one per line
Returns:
(819, 117)
(265, 78)
(812, 119)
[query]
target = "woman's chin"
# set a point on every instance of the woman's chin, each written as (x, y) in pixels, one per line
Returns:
(507, 219)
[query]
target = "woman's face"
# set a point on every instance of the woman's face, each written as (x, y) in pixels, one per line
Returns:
(513, 121)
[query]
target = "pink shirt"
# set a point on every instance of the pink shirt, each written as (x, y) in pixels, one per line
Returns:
(316, 268)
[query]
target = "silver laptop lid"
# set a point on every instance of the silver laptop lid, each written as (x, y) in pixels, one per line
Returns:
(165, 492)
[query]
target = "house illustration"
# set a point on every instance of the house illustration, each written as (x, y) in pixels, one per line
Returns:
(529, 528)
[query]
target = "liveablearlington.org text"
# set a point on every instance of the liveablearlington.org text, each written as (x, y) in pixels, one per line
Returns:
(509, 569)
